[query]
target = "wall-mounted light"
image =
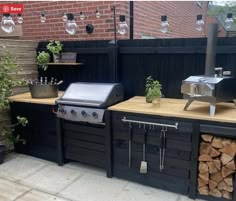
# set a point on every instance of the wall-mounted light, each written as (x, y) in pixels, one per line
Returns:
(229, 21)
(122, 27)
(71, 26)
(43, 17)
(19, 18)
(98, 15)
(199, 23)
(89, 28)
(164, 24)
(64, 17)
(81, 16)
(7, 24)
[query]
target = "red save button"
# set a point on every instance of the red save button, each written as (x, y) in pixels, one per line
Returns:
(12, 8)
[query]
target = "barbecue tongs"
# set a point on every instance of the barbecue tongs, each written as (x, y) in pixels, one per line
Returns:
(162, 147)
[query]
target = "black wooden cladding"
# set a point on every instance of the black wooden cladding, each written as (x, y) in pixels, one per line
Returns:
(168, 60)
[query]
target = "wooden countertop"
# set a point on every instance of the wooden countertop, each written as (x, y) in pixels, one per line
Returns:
(225, 112)
(26, 98)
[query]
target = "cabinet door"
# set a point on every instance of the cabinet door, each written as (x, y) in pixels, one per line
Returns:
(175, 175)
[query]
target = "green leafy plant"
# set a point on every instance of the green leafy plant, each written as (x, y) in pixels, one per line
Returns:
(8, 72)
(43, 59)
(55, 47)
(153, 89)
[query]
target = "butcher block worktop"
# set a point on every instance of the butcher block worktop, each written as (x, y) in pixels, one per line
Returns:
(26, 98)
(225, 112)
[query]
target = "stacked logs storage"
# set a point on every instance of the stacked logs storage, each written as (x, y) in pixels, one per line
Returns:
(216, 166)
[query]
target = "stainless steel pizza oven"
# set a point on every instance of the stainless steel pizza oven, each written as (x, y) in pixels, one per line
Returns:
(213, 87)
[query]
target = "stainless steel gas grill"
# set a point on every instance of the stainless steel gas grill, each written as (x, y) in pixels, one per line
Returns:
(83, 122)
(213, 87)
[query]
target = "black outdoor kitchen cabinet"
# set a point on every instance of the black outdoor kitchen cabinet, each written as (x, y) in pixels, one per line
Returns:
(39, 133)
(179, 170)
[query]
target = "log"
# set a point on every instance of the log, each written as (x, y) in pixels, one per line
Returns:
(226, 172)
(204, 157)
(222, 185)
(225, 158)
(228, 188)
(203, 167)
(229, 180)
(217, 163)
(203, 190)
(207, 138)
(212, 168)
(217, 177)
(230, 165)
(214, 153)
(229, 149)
(226, 142)
(215, 192)
(217, 143)
(227, 195)
(212, 184)
(204, 176)
(202, 182)
(205, 148)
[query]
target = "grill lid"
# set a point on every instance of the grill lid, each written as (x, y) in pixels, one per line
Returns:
(92, 94)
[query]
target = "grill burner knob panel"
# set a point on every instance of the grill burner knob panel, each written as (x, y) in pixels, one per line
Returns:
(84, 114)
(62, 111)
(95, 115)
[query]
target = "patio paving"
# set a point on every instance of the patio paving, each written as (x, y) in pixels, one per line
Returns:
(25, 178)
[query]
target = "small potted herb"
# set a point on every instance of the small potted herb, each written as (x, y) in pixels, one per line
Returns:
(153, 91)
(42, 60)
(55, 47)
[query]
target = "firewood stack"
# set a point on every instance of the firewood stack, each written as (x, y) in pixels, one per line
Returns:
(216, 166)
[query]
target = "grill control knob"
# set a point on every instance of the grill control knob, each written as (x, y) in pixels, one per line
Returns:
(84, 114)
(62, 111)
(95, 115)
(73, 112)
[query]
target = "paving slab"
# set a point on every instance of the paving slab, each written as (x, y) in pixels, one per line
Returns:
(86, 168)
(9, 191)
(138, 192)
(35, 195)
(91, 187)
(20, 167)
(52, 178)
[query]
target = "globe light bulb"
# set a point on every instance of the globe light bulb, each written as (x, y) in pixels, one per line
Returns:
(64, 17)
(71, 26)
(164, 24)
(43, 17)
(199, 23)
(98, 15)
(81, 16)
(229, 21)
(122, 27)
(19, 18)
(7, 24)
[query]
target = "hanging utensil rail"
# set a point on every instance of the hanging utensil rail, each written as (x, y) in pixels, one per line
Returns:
(150, 123)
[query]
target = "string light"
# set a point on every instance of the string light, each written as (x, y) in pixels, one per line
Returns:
(122, 27)
(64, 17)
(199, 23)
(71, 26)
(81, 16)
(43, 17)
(164, 24)
(19, 18)
(229, 21)
(7, 24)
(98, 15)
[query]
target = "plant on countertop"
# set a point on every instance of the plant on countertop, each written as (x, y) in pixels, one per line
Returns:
(43, 59)
(153, 89)
(55, 47)
(8, 72)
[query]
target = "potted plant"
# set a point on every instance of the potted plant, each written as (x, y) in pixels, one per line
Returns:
(55, 47)
(42, 60)
(153, 91)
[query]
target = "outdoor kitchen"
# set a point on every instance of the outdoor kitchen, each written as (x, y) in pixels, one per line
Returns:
(119, 118)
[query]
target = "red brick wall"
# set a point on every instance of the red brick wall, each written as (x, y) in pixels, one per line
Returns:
(181, 17)
(54, 27)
